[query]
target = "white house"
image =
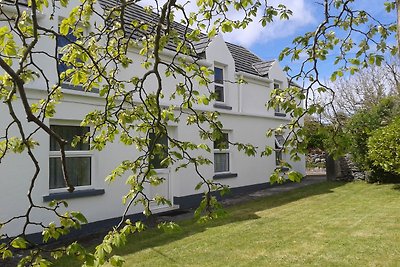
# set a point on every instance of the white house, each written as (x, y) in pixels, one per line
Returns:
(243, 114)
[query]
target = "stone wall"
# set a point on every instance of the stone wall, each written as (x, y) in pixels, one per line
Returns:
(344, 169)
(316, 157)
(352, 169)
(315, 162)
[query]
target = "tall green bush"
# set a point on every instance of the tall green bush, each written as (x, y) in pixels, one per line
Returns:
(384, 147)
(364, 123)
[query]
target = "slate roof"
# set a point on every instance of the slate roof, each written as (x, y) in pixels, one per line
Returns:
(202, 44)
(248, 62)
(245, 60)
(136, 12)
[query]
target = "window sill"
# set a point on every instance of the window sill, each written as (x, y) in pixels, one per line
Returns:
(222, 106)
(279, 114)
(78, 88)
(75, 194)
(225, 175)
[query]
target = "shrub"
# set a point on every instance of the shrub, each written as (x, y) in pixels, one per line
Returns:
(384, 147)
(379, 175)
(363, 124)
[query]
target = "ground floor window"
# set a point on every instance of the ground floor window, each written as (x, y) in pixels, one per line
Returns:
(222, 154)
(78, 158)
(160, 141)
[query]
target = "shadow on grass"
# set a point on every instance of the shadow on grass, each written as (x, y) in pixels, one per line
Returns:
(396, 187)
(153, 238)
(242, 212)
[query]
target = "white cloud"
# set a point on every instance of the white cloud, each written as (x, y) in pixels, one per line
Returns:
(255, 32)
(302, 16)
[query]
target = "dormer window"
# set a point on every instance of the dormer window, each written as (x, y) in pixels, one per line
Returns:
(219, 88)
(62, 41)
(63, 65)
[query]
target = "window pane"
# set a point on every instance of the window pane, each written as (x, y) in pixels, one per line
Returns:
(64, 40)
(218, 75)
(78, 169)
(221, 162)
(278, 157)
(277, 108)
(219, 90)
(61, 65)
(61, 42)
(68, 133)
(222, 143)
(160, 153)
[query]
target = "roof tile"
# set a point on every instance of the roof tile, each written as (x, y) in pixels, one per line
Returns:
(245, 60)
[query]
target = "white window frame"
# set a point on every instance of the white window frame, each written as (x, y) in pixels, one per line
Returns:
(224, 151)
(72, 154)
(279, 142)
(222, 85)
(278, 85)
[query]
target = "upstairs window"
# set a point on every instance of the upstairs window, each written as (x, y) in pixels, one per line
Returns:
(62, 41)
(78, 158)
(278, 111)
(219, 84)
(221, 154)
(279, 142)
(63, 66)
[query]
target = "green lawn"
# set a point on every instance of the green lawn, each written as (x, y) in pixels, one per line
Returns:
(329, 224)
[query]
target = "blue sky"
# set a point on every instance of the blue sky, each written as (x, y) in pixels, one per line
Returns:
(307, 14)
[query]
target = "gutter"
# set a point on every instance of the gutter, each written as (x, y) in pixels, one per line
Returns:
(254, 77)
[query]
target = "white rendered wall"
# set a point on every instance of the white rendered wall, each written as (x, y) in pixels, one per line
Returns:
(16, 170)
(247, 125)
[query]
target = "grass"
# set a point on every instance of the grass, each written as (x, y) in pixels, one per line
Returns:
(329, 224)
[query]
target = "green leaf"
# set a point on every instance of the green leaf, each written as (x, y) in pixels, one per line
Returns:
(227, 26)
(79, 216)
(64, 3)
(116, 261)
(198, 186)
(64, 27)
(6, 254)
(295, 176)
(19, 242)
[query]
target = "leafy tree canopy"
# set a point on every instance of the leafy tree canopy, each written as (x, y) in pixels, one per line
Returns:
(95, 61)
